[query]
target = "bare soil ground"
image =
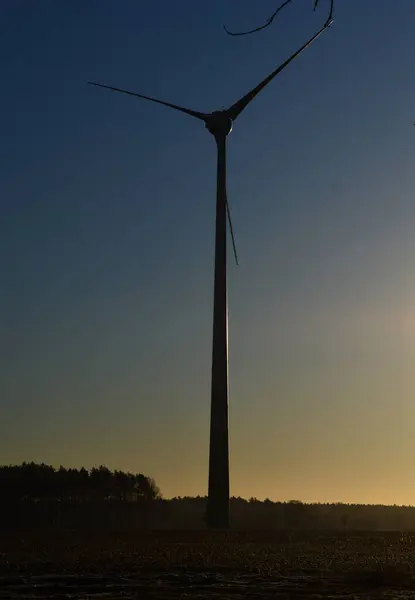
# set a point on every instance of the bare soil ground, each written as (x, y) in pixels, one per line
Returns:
(170, 565)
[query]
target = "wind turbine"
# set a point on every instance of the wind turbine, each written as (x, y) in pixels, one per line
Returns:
(219, 124)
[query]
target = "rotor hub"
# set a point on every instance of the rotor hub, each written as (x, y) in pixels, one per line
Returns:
(219, 123)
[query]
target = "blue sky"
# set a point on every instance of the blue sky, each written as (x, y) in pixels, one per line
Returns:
(107, 230)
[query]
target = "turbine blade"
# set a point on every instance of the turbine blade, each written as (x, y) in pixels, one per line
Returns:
(266, 24)
(236, 109)
(187, 111)
(231, 229)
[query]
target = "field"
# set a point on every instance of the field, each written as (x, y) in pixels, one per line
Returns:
(170, 565)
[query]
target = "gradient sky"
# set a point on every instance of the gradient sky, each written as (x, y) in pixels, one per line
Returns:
(107, 231)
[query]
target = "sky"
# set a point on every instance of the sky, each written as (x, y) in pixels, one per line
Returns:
(107, 236)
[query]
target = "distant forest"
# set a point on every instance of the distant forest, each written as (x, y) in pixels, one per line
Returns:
(38, 496)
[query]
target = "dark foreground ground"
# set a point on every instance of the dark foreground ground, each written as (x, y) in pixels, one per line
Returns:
(190, 565)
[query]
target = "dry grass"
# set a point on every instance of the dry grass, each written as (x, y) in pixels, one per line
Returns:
(326, 565)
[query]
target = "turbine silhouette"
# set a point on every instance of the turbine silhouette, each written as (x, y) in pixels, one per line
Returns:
(219, 124)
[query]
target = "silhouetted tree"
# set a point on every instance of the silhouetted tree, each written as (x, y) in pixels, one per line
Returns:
(33, 482)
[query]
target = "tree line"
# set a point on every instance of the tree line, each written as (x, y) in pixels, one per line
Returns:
(41, 497)
(295, 515)
(41, 482)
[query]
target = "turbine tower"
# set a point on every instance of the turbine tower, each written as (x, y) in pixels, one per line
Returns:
(219, 124)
